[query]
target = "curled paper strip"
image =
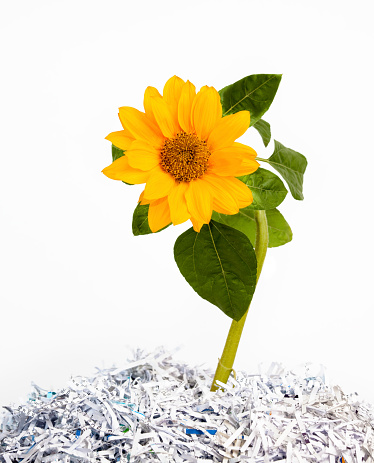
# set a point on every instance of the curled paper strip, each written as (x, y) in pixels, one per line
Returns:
(156, 409)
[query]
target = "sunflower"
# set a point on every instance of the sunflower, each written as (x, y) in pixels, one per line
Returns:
(185, 152)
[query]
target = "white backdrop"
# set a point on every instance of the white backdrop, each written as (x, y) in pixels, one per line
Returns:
(77, 288)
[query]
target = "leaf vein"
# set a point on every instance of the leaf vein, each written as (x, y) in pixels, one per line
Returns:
(247, 95)
(286, 167)
(236, 250)
(193, 254)
(220, 263)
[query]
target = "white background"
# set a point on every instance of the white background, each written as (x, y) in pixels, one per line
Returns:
(77, 288)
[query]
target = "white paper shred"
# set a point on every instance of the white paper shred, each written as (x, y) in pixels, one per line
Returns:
(156, 409)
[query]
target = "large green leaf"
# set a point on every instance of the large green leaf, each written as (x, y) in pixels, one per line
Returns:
(253, 93)
(220, 265)
(263, 128)
(291, 165)
(279, 231)
(243, 221)
(267, 188)
(116, 154)
(140, 225)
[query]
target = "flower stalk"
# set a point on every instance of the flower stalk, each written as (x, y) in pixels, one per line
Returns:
(226, 362)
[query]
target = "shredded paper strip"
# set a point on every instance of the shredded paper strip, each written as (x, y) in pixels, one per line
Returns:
(156, 409)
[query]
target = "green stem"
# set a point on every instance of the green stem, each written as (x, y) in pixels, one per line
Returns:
(226, 362)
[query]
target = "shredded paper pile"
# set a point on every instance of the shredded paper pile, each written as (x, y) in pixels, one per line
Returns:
(156, 409)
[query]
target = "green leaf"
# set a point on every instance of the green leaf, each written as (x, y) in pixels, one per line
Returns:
(140, 225)
(263, 128)
(253, 93)
(220, 265)
(267, 188)
(279, 231)
(243, 221)
(291, 165)
(117, 153)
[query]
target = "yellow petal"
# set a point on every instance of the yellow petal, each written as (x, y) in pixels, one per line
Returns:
(244, 150)
(142, 156)
(142, 200)
(248, 166)
(228, 129)
(166, 121)
(148, 94)
(234, 161)
(199, 200)
(178, 205)
(197, 224)
(159, 184)
(223, 201)
(206, 112)
(159, 214)
(172, 92)
(120, 140)
(221, 209)
(126, 132)
(204, 88)
(239, 191)
(185, 106)
(141, 127)
(222, 164)
(121, 170)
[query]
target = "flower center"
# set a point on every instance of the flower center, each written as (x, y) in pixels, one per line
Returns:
(185, 157)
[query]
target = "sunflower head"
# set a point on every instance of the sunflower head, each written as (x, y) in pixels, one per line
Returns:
(185, 152)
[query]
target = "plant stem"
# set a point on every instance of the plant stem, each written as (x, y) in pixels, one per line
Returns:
(226, 361)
